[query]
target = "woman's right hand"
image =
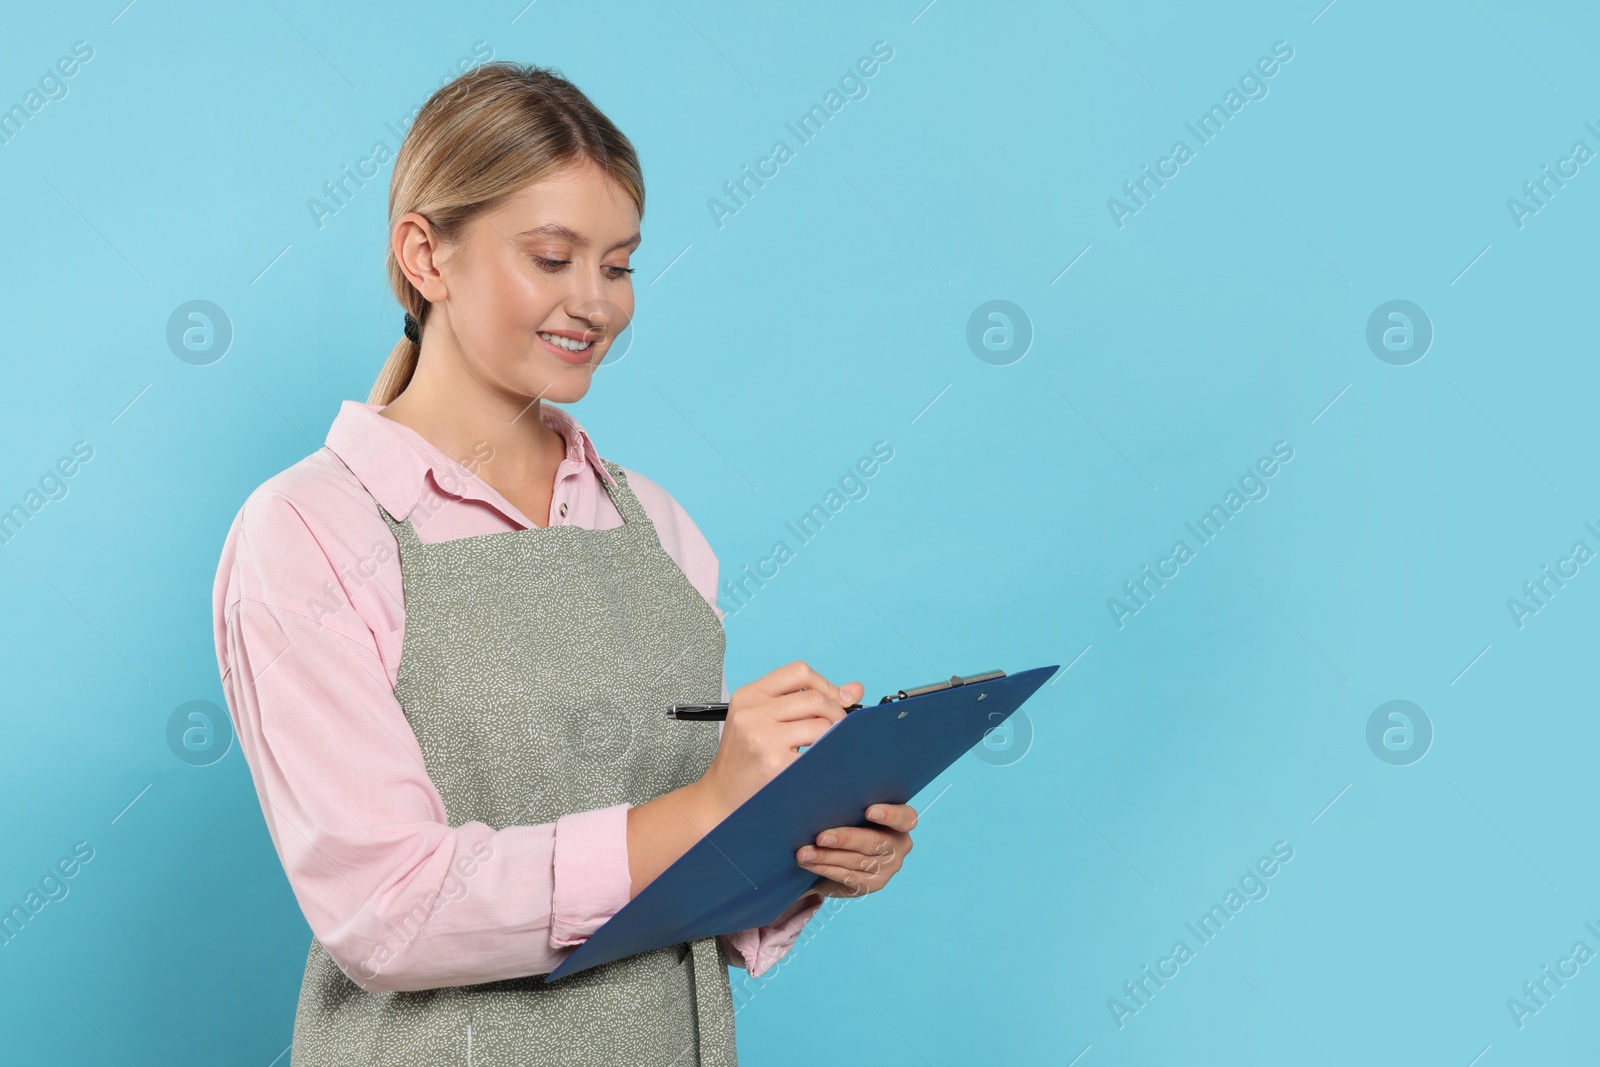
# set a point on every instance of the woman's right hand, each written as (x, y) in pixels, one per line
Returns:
(769, 721)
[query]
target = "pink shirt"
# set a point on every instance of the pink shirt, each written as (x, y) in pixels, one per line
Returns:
(309, 615)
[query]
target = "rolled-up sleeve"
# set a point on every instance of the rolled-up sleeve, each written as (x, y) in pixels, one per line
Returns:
(592, 878)
(758, 949)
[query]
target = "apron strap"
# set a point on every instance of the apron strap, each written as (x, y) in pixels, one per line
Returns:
(713, 1014)
(628, 506)
(404, 532)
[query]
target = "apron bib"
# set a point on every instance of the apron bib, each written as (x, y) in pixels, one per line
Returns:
(535, 670)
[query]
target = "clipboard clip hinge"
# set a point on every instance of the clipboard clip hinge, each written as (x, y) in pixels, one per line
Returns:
(951, 683)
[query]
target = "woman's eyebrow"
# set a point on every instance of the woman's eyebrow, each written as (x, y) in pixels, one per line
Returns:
(565, 233)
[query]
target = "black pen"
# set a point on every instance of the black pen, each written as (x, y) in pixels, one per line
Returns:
(713, 712)
(719, 712)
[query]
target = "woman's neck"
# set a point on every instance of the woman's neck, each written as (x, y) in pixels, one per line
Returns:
(523, 451)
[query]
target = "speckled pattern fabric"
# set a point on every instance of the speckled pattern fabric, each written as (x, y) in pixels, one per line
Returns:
(535, 670)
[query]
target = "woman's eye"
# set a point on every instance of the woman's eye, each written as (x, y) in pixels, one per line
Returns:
(552, 265)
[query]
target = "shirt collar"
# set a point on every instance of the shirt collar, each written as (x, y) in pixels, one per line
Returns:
(391, 459)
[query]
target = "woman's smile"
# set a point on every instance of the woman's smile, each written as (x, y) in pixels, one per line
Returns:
(566, 345)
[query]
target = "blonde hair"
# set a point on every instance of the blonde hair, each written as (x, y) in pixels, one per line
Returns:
(478, 140)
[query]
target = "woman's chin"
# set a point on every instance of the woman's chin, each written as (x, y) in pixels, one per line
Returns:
(566, 386)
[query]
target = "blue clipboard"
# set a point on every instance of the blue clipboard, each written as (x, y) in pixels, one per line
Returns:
(743, 873)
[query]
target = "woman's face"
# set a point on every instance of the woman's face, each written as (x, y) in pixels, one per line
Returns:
(539, 288)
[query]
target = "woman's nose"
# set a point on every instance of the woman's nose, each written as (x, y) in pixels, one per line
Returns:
(588, 288)
(603, 318)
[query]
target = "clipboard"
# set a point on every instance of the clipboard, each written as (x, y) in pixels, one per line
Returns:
(743, 873)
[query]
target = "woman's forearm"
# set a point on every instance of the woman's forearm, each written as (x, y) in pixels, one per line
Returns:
(663, 829)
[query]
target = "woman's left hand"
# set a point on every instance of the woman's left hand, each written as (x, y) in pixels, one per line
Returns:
(855, 860)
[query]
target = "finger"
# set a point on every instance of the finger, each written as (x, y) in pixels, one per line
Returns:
(864, 840)
(799, 677)
(806, 704)
(854, 861)
(792, 677)
(804, 732)
(902, 817)
(853, 883)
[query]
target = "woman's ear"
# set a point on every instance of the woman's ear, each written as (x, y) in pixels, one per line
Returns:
(416, 249)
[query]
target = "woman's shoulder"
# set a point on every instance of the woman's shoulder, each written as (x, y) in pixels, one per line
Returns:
(294, 528)
(314, 493)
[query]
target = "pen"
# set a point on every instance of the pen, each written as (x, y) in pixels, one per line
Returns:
(714, 712)
(719, 712)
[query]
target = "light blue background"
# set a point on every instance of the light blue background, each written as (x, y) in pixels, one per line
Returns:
(830, 313)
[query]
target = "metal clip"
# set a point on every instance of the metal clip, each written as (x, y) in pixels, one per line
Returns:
(953, 681)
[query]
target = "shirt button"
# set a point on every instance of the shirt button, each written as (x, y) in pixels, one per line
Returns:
(563, 510)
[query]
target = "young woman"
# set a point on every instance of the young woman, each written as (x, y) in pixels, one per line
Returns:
(447, 640)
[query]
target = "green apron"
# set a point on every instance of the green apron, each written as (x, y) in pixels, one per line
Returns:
(535, 670)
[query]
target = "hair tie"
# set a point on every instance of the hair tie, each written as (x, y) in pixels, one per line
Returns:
(413, 331)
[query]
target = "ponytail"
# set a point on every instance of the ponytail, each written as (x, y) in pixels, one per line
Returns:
(401, 364)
